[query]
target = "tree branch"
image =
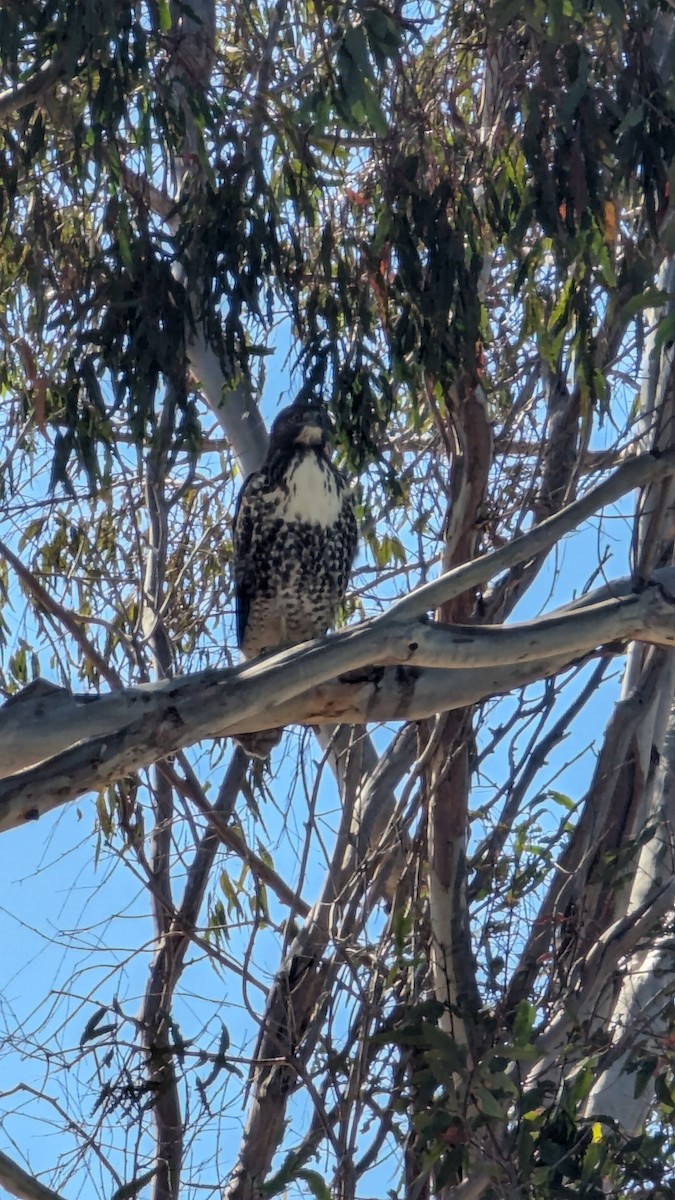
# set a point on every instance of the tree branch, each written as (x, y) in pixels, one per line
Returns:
(74, 625)
(175, 713)
(13, 99)
(632, 474)
(21, 1184)
(629, 475)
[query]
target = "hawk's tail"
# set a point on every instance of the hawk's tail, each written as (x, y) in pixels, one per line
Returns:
(260, 745)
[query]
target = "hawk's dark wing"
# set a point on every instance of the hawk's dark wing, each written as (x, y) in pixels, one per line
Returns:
(349, 536)
(243, 536)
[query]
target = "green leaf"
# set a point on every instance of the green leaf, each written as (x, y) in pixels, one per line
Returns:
(428, 1037)
(316, 1183)
(651, 298)
(489, 1105)
(383, 34)
(665, 331)
(579, 1087)
(633, 118)
(499, 1079)
(356, 46)
(164, 14)
(374, 111)
(561, 799)
(124, 240)
(524, 1052)
(523, 1022)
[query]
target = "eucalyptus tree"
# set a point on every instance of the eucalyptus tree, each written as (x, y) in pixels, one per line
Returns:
(398, 956)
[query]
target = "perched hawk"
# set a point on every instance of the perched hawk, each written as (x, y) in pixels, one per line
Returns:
(295, 538)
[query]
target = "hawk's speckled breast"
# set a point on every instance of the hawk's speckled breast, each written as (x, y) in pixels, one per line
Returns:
(295, 540)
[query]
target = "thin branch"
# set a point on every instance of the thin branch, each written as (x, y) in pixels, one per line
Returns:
(73, 624)
(632, 474)
(13, 99)
(489, 850)
(234, 841)
(156, 1011)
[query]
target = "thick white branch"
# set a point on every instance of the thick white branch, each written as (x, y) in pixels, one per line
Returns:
(231, 402)
(639, 1022)
(129, 730)
(375, 694)
(229, 698)
(21, 1184)
(59, 725)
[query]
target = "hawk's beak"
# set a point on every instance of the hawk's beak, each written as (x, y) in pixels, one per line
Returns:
(311, 435)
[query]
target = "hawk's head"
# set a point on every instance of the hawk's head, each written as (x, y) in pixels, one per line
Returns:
(300, 425)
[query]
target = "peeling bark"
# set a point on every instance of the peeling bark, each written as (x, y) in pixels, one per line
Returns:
(615, 975)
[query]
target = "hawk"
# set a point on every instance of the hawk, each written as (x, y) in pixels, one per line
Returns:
(295, 538)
